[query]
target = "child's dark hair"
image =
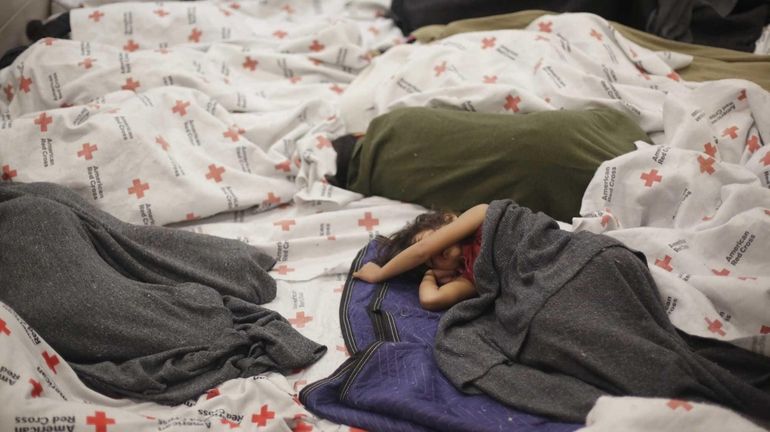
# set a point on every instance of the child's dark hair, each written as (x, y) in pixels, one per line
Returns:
(389, 247)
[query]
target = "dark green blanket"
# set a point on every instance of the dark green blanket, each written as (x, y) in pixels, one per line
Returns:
(453, 160)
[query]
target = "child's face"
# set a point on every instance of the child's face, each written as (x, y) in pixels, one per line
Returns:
(450, 258)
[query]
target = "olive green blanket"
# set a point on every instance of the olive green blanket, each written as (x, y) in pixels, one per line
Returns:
(453, 160)
(709, 63)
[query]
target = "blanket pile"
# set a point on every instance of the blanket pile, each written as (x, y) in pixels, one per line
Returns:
(145, 312)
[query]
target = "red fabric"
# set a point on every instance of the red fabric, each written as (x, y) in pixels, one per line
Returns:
(471, 248)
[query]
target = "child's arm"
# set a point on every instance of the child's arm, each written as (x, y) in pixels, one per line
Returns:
(418, 253)
(434, 297)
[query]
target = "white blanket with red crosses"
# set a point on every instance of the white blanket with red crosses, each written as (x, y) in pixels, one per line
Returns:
(174, 112)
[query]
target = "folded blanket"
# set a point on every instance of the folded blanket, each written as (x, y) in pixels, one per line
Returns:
(149, 313)
(708, 63)
(563, 318)
(453, 160)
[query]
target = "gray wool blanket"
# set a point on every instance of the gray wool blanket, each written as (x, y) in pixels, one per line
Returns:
(563, 318)
(149, 313)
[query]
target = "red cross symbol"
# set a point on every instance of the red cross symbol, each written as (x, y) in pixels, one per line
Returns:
(4, 328)
(215, 173)
(87, 63)
(723, 272)
(283, 269)
(234, 5)
(764, 329)
(230, 423)
(100, 420)
(651, 177)
(706, 165)
(440, 68)
(742, 95)
(765, 159)
(250, 64)
(596, 35)
(130, 84)
(665, 263)
(512, 103)
(138, 188)
(710, 149)
(264, 415)
(374, 30)
(8, 173)
(606, 219)
(316, 46)
(131, 46)
(295, 79)
(300, 425)
(488, 42)
(753, 143)
(212, 393)
(368, 221)
(715, 327)
(490, 79)
(160, 12)
(674, 76)
(337, 89)
(545, 26)
(37, 389)
(195, 35)
(161, 142)
(8, 89)
(24, 84)
(271, 199)
(288, 9)
(280, 34)
(675, 403)
(284, 166)
(233, 134)
(300, 319)
(732, 131)
(43, 121)
(322, 142)
(87, 152)
(180, 108)
(285, 224)
(51, 360)
(96, 15)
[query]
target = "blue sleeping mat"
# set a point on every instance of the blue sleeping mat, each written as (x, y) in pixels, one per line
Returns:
(391, 381)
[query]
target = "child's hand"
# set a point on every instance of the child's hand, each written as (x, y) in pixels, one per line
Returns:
(370, 272)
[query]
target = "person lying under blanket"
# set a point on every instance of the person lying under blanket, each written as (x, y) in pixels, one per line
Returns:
(453, 160)
(547, 320)
(143, 312)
